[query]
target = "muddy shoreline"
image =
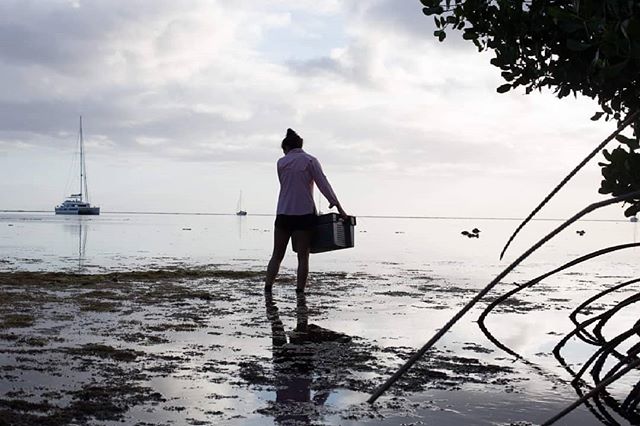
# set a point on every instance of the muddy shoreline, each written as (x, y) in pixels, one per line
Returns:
(205, 346)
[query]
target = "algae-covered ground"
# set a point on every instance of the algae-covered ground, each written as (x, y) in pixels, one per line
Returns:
(206, 346)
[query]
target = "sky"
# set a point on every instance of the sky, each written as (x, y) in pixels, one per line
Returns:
(185, 104)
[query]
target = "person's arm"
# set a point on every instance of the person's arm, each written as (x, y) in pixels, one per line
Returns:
(325, 188)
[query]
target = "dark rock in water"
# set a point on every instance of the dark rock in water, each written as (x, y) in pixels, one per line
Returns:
(580, 232)
(475, 230)
(466, 233)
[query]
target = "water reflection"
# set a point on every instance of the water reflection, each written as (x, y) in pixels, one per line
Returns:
(295, 364)
(79, 227)
(611, 355)
(612, 358)
(240, 225)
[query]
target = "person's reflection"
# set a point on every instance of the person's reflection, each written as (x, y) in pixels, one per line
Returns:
(294, 362)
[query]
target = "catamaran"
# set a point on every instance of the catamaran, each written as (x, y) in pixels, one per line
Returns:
(78, 204)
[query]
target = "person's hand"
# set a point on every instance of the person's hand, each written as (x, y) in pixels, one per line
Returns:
(344, 214)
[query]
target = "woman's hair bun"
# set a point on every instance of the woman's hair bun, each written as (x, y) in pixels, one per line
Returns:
(292, 140)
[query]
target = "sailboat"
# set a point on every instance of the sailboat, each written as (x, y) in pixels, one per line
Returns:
(240, 212)
(78, 204)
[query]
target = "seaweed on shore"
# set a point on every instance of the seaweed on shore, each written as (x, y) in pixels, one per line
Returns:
(116, 336)
(100, 401)
(24, 278)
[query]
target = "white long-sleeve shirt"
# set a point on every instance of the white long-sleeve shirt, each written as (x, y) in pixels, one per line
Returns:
(297, 171)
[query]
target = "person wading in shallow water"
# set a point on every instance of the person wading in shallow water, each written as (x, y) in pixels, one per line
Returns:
(296, 213)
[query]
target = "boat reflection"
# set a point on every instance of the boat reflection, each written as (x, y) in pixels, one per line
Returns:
(240, 226)
(79, 226)
(296, 364)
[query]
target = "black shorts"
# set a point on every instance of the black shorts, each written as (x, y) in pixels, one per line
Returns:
(292, 223)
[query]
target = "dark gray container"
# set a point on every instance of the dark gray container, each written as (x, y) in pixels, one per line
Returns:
(331, 232)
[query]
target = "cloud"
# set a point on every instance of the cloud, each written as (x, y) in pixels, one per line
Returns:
(135, 70)
(366, 84)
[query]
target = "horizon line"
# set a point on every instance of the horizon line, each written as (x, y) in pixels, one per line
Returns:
(360, 216)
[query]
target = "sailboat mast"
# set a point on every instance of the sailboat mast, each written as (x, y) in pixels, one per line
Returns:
(84, 189)
(81, 164)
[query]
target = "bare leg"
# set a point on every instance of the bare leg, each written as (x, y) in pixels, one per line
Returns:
(303, 242)
(280, 241)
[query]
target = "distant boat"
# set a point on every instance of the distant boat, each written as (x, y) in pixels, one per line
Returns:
(240, 212)
(78, 204)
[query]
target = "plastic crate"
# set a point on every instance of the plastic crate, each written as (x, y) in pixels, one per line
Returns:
(331, 232)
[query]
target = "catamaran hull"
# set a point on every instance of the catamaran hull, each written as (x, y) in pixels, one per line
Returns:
(87, 211)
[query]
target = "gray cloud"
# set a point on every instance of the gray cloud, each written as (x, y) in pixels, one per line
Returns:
(65, 35)
(202, 91)
(404, 17)
(184, 81)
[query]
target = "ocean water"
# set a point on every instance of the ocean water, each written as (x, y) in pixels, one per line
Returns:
(44, 241)
(396, 256)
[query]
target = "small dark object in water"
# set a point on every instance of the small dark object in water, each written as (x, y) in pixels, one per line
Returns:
(186, 229)
(472, 234)
(475, 230)
(580, 232)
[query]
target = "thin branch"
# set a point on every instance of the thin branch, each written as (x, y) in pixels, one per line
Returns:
(387, 384)
(593, 392)
(611, 344)
(566, 179)
(531, 283)
(573, 315)
(605, 347)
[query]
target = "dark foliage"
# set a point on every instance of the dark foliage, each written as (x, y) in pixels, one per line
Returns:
(571, 46)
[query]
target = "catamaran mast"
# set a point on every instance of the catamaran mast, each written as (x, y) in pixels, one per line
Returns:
(81, 164)
(84, 190)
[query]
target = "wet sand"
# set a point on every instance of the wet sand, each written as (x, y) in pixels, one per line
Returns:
(205, 346)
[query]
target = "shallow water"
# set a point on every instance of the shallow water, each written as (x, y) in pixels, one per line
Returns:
(401, 283)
